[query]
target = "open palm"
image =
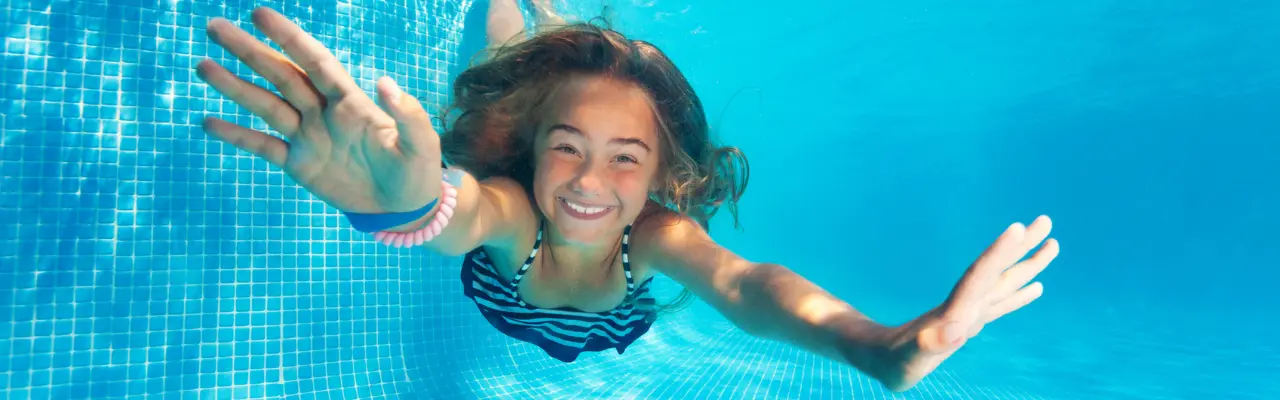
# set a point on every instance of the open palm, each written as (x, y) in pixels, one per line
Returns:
(995, 285)
(337, 143)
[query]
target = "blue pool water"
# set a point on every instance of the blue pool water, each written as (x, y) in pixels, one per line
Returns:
(890, 142)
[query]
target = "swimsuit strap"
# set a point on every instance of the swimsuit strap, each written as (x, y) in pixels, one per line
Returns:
(537, 243)
(515, 282)
(626, 260)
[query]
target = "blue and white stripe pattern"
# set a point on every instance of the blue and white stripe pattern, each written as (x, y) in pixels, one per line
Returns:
(563, 332)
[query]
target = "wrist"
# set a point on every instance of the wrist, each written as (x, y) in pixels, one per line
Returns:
(426, 218)
(426, 227)
(399, 222)
(898, 359)
(871, 347)
(415, 224)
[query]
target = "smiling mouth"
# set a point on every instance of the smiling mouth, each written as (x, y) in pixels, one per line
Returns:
(583, 211)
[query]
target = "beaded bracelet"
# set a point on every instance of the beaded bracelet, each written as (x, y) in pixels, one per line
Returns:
(416, 237)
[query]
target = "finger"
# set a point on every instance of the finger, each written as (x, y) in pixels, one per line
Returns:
(984, 272)
(283, 74)
(412, 121)
(1025, 271)
(1012, 303)
(1037, 232)
(271, 108)
(326, 73)
(1007, 249)
(270, 148)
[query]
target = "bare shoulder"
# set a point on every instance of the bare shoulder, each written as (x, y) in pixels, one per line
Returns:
(510, 212)
(495, 213)
(657, 222)
(658, 235)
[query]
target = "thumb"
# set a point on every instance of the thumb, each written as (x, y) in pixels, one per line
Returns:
(941, 337)
(412, 121)
(947, 331)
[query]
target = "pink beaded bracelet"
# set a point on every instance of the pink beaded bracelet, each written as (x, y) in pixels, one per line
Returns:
(426, 232)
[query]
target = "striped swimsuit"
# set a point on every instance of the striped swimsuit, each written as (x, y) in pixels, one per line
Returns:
(563, 332)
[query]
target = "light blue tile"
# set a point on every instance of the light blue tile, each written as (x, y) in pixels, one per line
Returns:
(139, 257)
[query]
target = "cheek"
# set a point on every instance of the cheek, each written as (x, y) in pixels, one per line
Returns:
(633, 186)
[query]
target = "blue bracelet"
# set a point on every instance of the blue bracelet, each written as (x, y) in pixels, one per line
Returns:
(369, 223)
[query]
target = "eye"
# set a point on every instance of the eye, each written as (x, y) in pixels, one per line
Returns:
(627, 159)
(566, 148)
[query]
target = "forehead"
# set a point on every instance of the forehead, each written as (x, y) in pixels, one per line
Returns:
(604, 106)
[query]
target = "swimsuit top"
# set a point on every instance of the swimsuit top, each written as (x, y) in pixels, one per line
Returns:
(563, 332)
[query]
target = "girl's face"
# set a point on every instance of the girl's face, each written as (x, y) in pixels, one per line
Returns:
(596, 156)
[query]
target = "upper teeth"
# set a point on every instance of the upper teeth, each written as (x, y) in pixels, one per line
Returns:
(585, 210)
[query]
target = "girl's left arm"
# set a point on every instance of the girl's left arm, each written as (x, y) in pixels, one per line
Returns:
(769, 301)
(766, 300)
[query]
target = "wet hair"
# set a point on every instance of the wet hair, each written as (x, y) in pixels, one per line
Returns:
(492, 122)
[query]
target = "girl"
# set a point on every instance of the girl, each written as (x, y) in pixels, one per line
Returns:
(580, 169)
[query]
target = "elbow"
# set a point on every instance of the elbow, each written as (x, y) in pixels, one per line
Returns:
(753, 326)
(756, 309)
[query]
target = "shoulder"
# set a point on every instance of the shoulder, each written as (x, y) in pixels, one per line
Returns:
(510, 205)
(506, 216)
(680, 248)
(496, 216)
(657, 223)
(660, 237)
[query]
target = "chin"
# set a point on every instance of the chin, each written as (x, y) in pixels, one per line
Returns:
(582, 236)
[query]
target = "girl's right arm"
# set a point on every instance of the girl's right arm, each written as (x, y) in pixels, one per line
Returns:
(342, 147)
(489, 212)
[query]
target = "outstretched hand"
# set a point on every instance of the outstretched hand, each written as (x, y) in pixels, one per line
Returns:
(993, 286)
(337, 143)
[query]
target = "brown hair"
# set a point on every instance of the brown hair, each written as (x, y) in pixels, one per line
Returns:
(497, 105)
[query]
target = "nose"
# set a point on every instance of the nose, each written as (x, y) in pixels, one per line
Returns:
(588, 183)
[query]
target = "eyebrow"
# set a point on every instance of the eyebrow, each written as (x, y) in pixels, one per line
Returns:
(576, 131)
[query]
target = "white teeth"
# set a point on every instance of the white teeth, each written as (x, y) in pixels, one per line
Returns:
(584, 210)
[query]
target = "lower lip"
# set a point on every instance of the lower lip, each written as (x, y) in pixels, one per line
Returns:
(574, 213)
